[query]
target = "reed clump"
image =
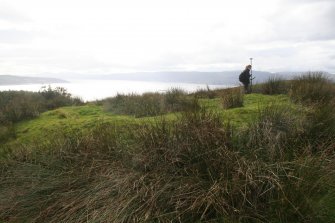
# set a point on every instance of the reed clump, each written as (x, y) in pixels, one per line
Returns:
(312, 88)
(274, 85)
(151, 104)
(232, 98)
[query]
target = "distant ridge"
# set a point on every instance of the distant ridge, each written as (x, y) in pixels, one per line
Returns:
(194, 77)
(19, 80)
(198, 77)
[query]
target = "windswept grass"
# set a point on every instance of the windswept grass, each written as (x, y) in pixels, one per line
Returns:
(151, 104)
(311, 88)
(192, 169)
(274, 85)
(207, 93)
(232, 98)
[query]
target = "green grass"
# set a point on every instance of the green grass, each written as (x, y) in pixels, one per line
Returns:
(83, 118)
(247, 164)
(79, 117)
(252, 104)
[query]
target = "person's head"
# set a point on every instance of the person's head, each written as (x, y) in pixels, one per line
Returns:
(248, 67)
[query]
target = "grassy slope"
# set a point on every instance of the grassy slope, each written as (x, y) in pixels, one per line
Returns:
(81, 118)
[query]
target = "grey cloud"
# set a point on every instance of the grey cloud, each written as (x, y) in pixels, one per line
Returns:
(324, 28)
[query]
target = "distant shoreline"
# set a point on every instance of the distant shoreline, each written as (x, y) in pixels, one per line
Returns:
(23, 80)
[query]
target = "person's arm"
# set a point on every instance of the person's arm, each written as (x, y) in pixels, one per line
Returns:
(249, 73)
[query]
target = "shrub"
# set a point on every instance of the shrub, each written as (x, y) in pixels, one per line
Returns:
(57, 97)
(21, 105)
(232, 98)
(311, 88)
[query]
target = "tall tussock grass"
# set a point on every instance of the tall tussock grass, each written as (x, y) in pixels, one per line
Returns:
(232, 98)
(271, 136)
(312, 88)
(207, 93)
(274, 85)
(151, 104)
(197, 168)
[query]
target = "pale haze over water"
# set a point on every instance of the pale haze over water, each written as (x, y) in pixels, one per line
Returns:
(90, 90)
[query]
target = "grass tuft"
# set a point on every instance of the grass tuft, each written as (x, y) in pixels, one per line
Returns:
(232, 98)
(312, 88)
(273, 86)
(151, 104)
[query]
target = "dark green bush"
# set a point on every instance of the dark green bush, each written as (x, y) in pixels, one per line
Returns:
(57, 97)
(21, 105)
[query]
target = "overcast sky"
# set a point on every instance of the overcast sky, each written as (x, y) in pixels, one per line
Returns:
(106, 36)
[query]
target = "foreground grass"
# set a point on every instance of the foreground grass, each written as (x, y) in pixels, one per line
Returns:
(268, 161)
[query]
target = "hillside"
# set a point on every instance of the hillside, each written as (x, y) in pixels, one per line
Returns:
(18, 80)
(196, 77)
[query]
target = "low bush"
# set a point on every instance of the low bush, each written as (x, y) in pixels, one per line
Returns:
(21, 105)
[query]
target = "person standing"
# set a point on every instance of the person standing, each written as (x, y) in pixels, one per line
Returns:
(245, 78)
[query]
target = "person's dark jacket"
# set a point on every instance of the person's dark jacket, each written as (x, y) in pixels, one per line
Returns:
(245, 76)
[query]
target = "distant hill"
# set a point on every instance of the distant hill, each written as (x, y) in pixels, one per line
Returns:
(19, 80)
(212, 78)
(194, 77)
